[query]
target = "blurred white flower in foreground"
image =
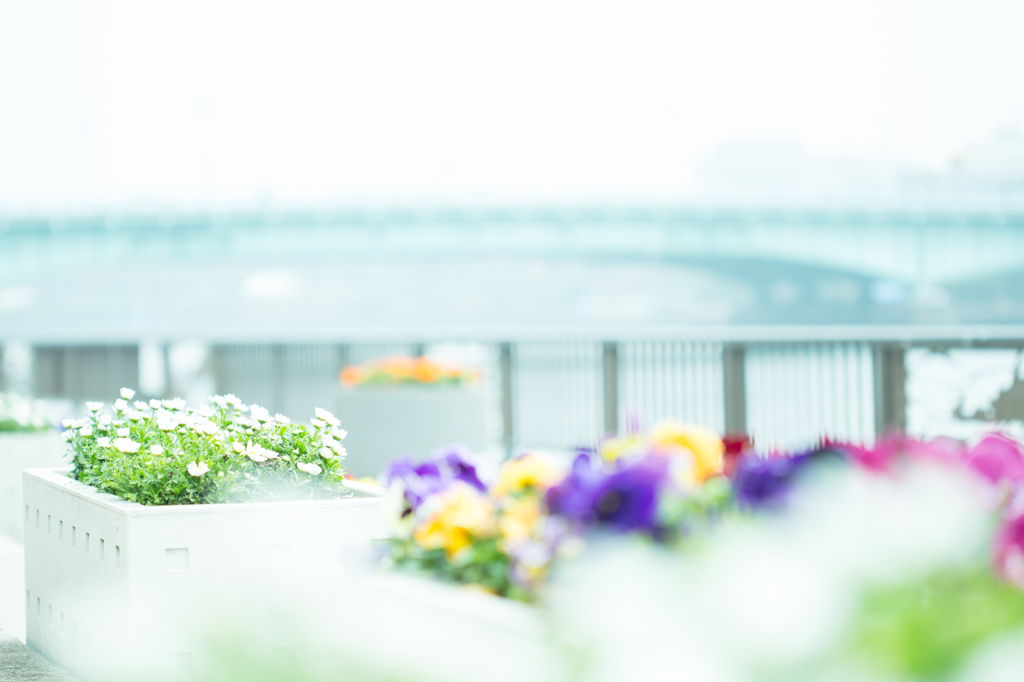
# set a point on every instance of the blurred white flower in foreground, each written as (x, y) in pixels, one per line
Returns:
(768, 593)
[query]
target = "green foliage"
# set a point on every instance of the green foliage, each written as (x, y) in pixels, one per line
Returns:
(927, 629)
(482, 564)
(164, 453)
(9, 425)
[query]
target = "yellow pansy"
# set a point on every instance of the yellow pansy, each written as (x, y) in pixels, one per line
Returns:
(519, 517)
(706, 447)
(528, 471)
(464, 514)
(623, 446)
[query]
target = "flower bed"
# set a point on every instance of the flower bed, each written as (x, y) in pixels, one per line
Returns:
(401, 370)
(115, 584)
(504, 537)
(904, 560)
(163, 452)
(19, 413)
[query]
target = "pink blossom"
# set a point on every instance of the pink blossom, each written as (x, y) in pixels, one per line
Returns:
(998, 458)
(1009, 547)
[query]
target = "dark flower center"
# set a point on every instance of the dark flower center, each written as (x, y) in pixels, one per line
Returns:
(609, 503)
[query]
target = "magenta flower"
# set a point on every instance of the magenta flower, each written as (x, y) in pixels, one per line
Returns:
(1009, 551)
(998, 458)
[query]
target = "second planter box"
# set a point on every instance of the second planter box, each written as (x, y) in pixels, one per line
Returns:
(387, 422)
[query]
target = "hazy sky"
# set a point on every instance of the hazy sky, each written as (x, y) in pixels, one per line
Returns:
(189, 105)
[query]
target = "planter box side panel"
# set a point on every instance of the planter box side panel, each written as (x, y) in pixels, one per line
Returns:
(385, 423)
(76, 573)
(196, 558)
(113, 583)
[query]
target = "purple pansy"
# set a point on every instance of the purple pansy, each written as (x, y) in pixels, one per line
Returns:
(625, 500)
(421, 480)
(765, 481)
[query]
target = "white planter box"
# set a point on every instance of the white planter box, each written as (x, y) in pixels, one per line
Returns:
(388, 421)
(20, 451)
(111, 583)
(445, 633)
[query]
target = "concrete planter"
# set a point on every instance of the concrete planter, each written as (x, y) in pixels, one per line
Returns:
(20, 451)
(116, 590)
(386, 422)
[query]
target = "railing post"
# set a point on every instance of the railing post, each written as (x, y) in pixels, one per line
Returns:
(890, 379)
(610, 371)
(734, 385)
(507, 434)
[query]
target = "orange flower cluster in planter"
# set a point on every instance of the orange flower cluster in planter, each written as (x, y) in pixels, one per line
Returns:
(402, 370)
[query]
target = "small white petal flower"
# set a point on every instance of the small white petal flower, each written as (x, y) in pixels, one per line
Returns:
(103, 442)
(233, 400)
(133, 415)
(126, 445)
(67, 422)
(281, 419)
(141, 405)
(127, 393)
(174, 404)
(207, 411)
(199, 469)
(326, 416)
(309, 468)
(339, 433)
(154, 404)
(166, 422)
(156, 449)
(238, 447)
(326, 453)
(123, 432)
(120, 405)
(79, 423)
(94, 407)
(254, 452)
(317, 423)
(68, 435)
(340, 450)
(259, 413)
(219, 399)
(85, 431)
(105, 420)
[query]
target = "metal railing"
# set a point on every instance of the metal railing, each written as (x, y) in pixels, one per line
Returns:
(565, 393)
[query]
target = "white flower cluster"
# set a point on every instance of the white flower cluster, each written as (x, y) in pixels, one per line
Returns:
(22, 413)
(222, 425)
